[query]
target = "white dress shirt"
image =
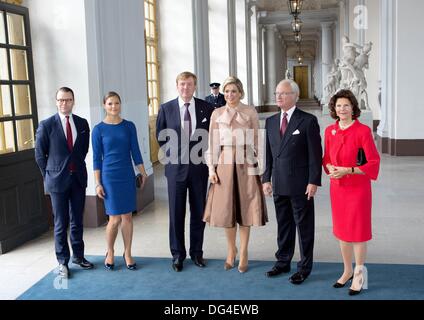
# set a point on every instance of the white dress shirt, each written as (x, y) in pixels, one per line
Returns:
(192, 111)
(289, 114)
(73, 128)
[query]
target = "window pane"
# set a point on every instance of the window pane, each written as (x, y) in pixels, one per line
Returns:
(4, 73)
(152, 12)
(154, 74)
(5, 105)
(15, 24)
(2, 30)
(19, 64)
(154, 54)
(7, 140)
(146, 10)
(152, 30)
(22, 99)
(25, 134)
(147, 24)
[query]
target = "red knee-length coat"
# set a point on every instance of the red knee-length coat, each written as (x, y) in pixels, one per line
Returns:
(351, 196)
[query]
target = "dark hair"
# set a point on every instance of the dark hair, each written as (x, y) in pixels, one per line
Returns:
(65, 89)
(111, 94)
(347, 94)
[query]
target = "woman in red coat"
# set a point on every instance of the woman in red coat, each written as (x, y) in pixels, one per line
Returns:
(350, 185)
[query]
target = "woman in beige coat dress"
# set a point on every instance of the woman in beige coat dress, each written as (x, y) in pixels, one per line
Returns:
(235, 194)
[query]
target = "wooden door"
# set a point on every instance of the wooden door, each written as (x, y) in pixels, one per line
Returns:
(301, 78)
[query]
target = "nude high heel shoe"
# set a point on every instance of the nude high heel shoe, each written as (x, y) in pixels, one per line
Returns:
(243, 268)
(228, 266)
(361, 273)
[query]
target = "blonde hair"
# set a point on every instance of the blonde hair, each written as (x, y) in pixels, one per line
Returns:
(236, 81)
(185, 75)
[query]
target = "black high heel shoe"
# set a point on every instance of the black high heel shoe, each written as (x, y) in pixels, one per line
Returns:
(338, 285)
(360, 271)
(109, 266)
(130, 266)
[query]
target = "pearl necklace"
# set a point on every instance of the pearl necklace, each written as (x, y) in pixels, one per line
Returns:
(345, 127)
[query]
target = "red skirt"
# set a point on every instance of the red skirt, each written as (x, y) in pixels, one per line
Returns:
(351, 210)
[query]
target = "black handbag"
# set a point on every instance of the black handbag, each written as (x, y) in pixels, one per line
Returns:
(360, 158)
(138, 180)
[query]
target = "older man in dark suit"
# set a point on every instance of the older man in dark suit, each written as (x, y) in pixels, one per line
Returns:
(182, 132)
(293, 161)
(61, 147)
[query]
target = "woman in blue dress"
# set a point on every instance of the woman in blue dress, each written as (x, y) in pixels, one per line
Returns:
(114, 144)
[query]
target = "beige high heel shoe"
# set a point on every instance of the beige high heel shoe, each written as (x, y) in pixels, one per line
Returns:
(361, 273)
(243, 268)
(228, 266)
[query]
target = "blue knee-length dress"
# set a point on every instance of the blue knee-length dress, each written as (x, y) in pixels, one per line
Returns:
(113, 147)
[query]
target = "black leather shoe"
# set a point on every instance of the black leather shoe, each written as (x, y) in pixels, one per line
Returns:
(83, 263)
(177, 265)
(298, 278)
(275, 271)
(131, 267)
(63, 271)
(198, 261)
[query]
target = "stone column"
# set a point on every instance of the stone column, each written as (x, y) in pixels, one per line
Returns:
(249, 84)
(326, 53)
(201, 46)
(232, 39)
(270, 62)
(261, 61)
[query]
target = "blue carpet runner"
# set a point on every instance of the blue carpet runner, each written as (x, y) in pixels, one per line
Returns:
(155, 280)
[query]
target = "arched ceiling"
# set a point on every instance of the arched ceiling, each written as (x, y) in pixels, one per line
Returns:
(313, 13)
(281, 5)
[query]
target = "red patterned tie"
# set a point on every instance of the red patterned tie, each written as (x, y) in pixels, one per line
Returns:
(69, 141)
(284, 124)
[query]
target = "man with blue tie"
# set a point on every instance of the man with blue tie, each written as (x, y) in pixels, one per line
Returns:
(61, 147)
(182, 132)
(216, 98)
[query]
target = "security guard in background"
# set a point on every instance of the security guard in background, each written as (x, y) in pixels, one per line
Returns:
(215, 98)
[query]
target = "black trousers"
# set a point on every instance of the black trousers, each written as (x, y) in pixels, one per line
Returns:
(177, 195)
(68, 208)
(295, 212)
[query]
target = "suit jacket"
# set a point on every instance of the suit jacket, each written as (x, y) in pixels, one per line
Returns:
(216, 102)
(53, 157)
(169, 118)
(295, 160)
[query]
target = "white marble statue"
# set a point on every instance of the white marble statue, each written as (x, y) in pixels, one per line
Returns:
(349, 72)
(288, 75)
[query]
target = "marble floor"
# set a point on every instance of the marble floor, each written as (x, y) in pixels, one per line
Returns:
(398, 224)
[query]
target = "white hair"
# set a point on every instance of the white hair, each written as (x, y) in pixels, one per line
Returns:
(292, 84)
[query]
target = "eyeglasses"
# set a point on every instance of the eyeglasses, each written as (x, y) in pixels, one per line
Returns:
(64, 100)
(283, 94)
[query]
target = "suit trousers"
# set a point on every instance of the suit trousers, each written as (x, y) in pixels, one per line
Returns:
(177, 195)
(68, 208)
(295, 212)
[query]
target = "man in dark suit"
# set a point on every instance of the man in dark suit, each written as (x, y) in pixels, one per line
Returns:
(293, 160)
(215, 98)
(61, 146)
(182, 132)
